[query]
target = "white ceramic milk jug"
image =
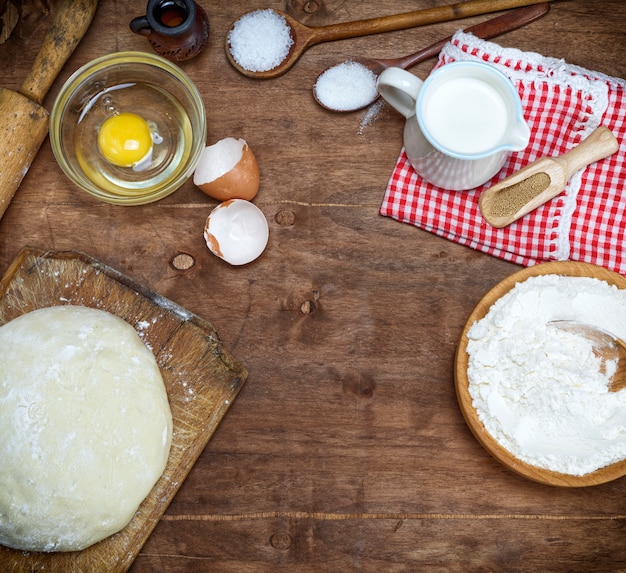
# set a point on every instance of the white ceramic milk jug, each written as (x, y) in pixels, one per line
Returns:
(462, 122)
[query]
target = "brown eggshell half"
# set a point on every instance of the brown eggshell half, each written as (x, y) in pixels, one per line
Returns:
(241, 182)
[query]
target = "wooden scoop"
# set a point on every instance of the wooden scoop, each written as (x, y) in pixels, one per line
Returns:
(545, 178)
(23, 120)
(605, 346)
(304, 36)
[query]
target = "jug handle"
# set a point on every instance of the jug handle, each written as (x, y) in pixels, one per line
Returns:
(399, 88)
(139, 25)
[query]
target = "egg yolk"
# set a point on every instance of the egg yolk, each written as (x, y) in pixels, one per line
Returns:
(124, 139)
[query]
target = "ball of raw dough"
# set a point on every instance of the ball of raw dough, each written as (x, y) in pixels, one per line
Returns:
(85, 427)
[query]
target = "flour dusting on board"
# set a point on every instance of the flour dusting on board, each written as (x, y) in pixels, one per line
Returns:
(143, 325)
(539, 391)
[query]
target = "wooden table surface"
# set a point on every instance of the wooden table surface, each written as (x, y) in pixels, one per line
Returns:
(346, 449)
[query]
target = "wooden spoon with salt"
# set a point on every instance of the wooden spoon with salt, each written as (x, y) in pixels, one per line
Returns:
(607, 347)
(306, 36)
(507, 22)
(542, 180)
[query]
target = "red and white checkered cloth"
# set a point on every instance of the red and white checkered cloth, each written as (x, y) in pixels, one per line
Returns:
(562, 105)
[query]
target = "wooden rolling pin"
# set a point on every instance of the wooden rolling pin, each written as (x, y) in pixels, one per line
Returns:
(23, 120)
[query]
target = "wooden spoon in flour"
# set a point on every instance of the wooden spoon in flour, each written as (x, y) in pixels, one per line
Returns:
(607, 347)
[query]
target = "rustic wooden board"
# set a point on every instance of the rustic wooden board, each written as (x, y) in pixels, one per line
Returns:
(201, 377)
(565, 268)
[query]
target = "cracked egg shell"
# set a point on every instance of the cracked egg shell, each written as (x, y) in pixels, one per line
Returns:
(236, 231)
(228, 170)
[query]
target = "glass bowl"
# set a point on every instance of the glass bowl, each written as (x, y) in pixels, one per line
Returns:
(136, 82)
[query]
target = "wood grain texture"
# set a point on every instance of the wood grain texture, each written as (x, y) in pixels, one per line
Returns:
(346, 450)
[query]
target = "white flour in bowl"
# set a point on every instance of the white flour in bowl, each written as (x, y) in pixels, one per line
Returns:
(539, 390)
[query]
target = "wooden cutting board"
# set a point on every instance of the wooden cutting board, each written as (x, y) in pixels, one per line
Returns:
(201, 377)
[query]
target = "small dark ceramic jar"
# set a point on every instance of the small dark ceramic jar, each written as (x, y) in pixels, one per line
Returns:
(176, 29)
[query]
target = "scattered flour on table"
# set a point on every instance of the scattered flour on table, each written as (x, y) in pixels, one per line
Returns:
(539, 390)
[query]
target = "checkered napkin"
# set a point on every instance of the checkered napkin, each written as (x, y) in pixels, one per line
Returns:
(562, 105)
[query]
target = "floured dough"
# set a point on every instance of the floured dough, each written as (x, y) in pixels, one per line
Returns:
(85, 427)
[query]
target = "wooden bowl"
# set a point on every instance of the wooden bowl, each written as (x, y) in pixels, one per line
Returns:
(566, 268)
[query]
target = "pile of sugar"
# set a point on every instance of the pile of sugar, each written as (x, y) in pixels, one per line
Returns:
(260, 40)
(538, 390)
(346, 87)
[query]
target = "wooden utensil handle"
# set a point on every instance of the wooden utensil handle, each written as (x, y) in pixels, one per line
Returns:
(23, 127)
(599, 144)
(412, 19)
(69, 26)
(496, 26)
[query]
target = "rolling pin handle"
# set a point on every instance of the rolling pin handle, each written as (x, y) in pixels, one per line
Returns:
(72, 19)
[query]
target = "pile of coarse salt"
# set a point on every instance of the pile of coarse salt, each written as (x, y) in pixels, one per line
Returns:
(346, 87)
(260, 40)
